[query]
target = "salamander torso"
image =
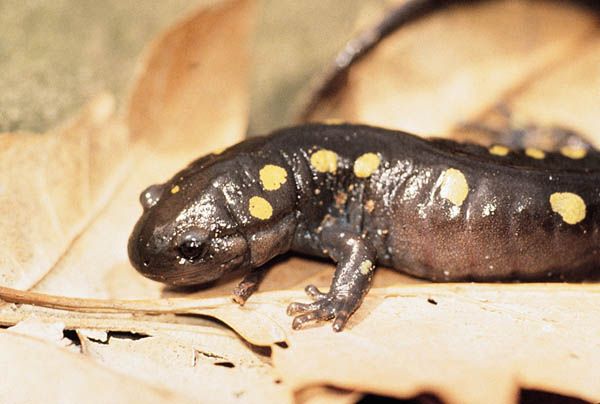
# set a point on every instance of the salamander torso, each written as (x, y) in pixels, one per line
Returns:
(363, 196)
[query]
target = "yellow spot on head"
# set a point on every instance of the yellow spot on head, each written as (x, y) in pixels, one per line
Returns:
(535, 153)
(324, 161)
(272, 177)
(175, 189)
(499, 150)
(569, 206)
(370, 205)
(575, 153)
(260, 208)
(454, 186)
(366, 165)
(365, 267)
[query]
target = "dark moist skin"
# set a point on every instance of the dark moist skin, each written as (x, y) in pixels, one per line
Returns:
(363, 196)
(367, 196)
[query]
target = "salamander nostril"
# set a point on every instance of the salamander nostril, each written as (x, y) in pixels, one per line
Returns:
(150, 196)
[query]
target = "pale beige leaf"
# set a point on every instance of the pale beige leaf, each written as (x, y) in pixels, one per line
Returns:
(477, 344)
(326, 395)
(35, 327)
(52, 185)
(211, 375)
(466, 343)
(55, 375)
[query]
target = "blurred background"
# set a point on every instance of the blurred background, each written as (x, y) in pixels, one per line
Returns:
(54, 56)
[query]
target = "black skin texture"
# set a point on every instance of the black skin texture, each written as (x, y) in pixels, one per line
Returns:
(199, 225)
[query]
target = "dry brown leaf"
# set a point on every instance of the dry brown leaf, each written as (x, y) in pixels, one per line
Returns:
(465, 343)
(191, 94)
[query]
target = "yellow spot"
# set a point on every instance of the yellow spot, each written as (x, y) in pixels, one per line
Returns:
(175, 189)
(569, 206)
(454, 186)
(575, 153)
(216, 152)
(499, 150)
(333, 121)
(365, 267)
(272, 177)
(370, 205)
(324, 161)
(260, 208)
(535, 153)
(366, 165)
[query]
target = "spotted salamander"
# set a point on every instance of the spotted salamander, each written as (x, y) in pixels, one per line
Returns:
(366, 196)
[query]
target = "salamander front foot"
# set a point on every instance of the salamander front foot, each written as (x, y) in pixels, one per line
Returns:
(247, 287)
(325, 307)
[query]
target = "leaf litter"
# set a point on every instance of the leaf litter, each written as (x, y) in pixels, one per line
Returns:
(463, 342)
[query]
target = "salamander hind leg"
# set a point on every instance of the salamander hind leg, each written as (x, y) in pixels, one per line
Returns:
(503, 128)
(355, 259)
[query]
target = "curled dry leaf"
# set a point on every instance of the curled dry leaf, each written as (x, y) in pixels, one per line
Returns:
(191, 93)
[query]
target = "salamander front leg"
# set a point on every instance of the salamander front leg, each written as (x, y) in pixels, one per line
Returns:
(352, 279)
(247, 286)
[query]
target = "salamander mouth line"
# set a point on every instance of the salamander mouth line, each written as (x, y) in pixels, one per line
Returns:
(175, 275)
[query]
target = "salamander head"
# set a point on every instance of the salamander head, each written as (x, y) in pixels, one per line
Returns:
(186, 234)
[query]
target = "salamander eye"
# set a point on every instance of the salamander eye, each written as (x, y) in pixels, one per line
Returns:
(192, 247)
